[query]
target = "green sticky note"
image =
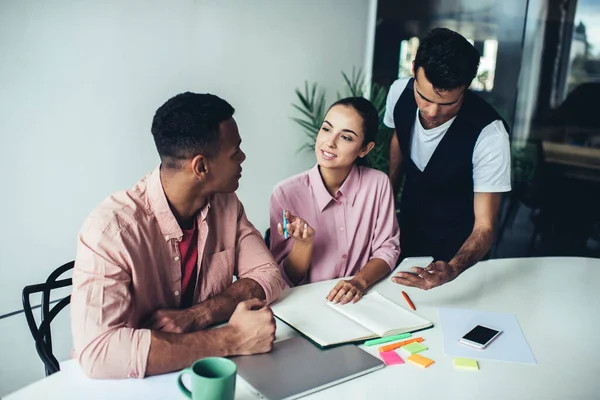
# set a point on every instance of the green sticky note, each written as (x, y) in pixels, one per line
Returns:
(413, 348)
(466, 363)
(386, 339)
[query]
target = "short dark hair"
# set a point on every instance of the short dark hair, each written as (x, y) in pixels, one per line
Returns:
(188, 125)
(370, 118)
(449, 61)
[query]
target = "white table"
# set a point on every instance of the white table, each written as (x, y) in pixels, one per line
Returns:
(557, 303)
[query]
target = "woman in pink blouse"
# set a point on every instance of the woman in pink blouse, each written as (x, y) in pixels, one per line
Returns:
(341, 219)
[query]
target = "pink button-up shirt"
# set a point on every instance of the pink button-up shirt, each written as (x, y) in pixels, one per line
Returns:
(128, 266)
(354, 227)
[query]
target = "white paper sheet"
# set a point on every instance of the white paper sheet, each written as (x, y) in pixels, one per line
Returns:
(510, 346)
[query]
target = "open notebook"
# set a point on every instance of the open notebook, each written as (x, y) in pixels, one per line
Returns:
(306, 309)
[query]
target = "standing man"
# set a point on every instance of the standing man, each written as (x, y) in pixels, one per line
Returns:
(454, 151)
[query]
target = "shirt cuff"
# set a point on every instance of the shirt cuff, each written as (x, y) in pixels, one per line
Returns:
(270, 282)
(143, 351)
(388, 260)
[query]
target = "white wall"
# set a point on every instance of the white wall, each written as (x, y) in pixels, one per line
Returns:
(80, 82)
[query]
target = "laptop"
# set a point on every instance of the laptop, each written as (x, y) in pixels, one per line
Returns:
(295, 368)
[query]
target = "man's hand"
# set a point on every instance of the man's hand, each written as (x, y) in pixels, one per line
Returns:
(434, 275)
(254, 327)
(347, 291)
(174, 321)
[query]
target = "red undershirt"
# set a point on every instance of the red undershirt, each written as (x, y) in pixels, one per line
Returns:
(188, 247)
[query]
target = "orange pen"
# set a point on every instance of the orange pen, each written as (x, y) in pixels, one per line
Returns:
(410, 303)
(397, 345)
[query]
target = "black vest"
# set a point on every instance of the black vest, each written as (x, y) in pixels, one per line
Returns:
(436, 209)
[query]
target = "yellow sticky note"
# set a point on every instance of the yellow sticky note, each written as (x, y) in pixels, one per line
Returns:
(419, 360)
(466, 363)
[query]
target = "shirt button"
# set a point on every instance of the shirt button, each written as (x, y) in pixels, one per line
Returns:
(344, 256)
(176, 293)
(176, 258)
(342, 228)
(166, 238)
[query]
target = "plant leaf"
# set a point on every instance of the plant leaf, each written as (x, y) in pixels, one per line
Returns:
(304, 111)
(311, 106)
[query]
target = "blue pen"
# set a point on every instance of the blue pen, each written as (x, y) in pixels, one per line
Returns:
(285, 232)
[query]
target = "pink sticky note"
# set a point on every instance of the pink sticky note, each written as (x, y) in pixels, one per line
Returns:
(391, 358)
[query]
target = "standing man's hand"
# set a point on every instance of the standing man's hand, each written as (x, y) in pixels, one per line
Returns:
(486, 207)
(254, 328)
(435, 274)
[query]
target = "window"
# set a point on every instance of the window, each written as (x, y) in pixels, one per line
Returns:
(484, 81)
(584, 57)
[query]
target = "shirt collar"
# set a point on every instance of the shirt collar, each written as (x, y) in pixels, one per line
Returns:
(159, 206)
(348, 189)
(350, 186)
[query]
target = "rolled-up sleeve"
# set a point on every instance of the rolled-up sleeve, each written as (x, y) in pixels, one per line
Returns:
(386, 240)
(254, 261)
(100, 307)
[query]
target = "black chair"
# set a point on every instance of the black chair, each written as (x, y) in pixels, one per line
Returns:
(268, 238)
(42, 333)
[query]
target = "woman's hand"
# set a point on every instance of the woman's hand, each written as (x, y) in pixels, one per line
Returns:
(347, 291)
(297, 228)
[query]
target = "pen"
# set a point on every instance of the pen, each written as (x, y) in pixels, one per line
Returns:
(386, 339)
(410, 303)
(285, 232)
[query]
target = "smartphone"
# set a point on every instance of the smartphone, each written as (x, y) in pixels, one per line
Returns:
(480, 337)
(408, 263)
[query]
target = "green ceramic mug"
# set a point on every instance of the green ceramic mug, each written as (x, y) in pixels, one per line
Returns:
(211, 378)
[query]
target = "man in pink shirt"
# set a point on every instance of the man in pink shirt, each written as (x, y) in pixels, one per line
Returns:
(155, 264)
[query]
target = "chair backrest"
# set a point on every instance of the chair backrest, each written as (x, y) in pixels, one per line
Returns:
(268, 238)
(42, 333)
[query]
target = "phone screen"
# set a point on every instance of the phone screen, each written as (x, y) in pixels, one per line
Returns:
(480, 334)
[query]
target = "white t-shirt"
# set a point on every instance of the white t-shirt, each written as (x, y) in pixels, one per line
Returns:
(491, 156)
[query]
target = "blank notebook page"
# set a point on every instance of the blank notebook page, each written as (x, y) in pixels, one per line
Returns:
(381, 315)
(305, 309)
